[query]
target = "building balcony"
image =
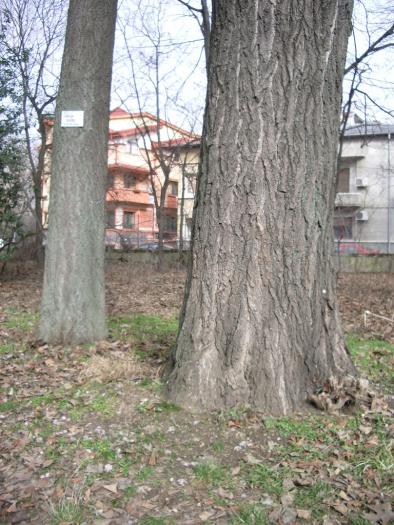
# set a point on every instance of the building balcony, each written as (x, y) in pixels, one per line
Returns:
(171, 202)
(348, 200)
(129, 196)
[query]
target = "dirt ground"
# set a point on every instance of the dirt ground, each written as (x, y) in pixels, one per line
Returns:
(87, 437)
(129, 291)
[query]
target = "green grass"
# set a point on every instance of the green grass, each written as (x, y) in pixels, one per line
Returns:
(312, 497)
(9, 406)
(44, 399)
(144, 473)
(264, 477)
(151, 335)
(67, 511)
(101, 447)
(250, 514)
(129, 492)
(151, 520)
(310, 427)
(374, 359)
(24, 321)
(217, 446)
(8, 348)
(212, 474)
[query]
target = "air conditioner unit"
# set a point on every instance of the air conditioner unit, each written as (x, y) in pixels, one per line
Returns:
(361, 182)
(362, 215)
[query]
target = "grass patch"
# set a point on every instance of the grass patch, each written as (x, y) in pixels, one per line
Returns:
(67, 511)
(24, 321)
(211, 474)
(93, 397)
(374, 359)
(250, 515)
(145, 473)
(152, 520)
(217, 446)
(309, 427)
(312, 498)
(130, 492)
(101, 447)
(151, 335)
(44, 399)
(8, 348)
(9, 406)
(264, 477)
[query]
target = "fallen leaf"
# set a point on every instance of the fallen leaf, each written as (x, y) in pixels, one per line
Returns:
(152, 461)
(344, 496)
(12, 508)
(341, 508)
(235, 471)
(205, 516)
(111, 488)
(304, 514)
(251, 459)
(224, 493)
(287, 499)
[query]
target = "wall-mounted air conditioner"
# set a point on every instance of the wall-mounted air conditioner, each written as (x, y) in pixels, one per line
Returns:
(362, 215)
(361, 182)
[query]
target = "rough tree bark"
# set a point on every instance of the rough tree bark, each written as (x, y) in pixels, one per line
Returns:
(259, 324)
(73, 307)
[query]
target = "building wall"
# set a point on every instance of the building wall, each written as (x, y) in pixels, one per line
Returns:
(129, 154)
(185, 171)
(368, 160)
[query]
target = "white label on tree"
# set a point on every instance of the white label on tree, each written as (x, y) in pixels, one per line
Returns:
(72, 119)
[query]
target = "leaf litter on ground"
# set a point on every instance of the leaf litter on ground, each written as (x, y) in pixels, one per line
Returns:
(86, 436)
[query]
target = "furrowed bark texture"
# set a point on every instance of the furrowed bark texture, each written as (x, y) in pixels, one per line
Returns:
(73, 306)
(259, 324)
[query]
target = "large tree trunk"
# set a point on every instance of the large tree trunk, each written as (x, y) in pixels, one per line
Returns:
(259, 324)
(73, 306)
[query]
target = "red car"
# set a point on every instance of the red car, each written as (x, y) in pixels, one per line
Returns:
(354, 248)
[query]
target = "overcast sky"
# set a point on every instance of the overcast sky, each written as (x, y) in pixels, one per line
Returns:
(182, 67)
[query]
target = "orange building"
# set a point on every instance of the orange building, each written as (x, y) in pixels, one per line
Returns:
(140, 145)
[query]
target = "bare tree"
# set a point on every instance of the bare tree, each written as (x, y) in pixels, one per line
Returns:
(73, 303)
(154, 84)
(203, 17)
(259, 324)
(35, 33)
(365, 85)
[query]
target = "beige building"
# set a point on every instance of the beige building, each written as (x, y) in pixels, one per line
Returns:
(364, 215)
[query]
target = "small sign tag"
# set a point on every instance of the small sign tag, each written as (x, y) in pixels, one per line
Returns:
(72, 119)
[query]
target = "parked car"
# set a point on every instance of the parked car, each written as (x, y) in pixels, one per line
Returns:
(153, 246)
(354, 248)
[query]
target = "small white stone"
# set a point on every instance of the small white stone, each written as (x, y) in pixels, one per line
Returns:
(181, 482)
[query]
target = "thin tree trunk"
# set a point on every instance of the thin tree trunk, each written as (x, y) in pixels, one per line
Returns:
(73, 306)
(181, 219)
(259, 324)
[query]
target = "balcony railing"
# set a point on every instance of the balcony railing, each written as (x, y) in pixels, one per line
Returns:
(129, 196)
(171, 202)
(348, 200)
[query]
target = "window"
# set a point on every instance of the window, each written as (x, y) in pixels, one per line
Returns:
(110, 180)
(169, 223)
(128, 219)
(110, 219)
(129, 181)
(132, 145)
(173, 188)
(343, 228)
(343, 177)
